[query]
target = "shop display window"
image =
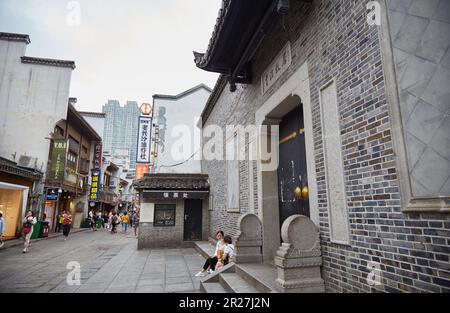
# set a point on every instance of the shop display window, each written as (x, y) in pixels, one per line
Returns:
(164, 215)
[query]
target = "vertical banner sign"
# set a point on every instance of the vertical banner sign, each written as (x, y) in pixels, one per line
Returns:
(59, 151)
(143, 145)
(141, 169)
(93, 194)
(98, 155)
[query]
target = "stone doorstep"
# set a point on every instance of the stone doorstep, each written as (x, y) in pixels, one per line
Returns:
(212, 288)
(261, 276)
(234, 283)
(19, 241)
(205, 248)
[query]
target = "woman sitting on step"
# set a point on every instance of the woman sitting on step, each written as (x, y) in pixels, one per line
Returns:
(212, 261)
(228, 253)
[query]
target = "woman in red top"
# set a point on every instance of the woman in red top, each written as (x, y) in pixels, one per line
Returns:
(67, 220)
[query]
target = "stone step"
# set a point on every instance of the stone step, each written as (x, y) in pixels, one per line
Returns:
(233, 283)
(214, 287)
(205, 248)
(260, 276)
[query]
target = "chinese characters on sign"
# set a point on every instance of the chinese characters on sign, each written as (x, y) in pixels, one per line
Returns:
(143, 146)
(59, 150)
(98, 155)
(278, 66)
(177, 195)
(141, 169)
(95, 184)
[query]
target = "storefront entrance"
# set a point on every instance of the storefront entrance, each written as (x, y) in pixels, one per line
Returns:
(192, 219)
(292, 172)
(13, 202)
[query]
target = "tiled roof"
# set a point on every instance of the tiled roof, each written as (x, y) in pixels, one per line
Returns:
(201, 59)
(15, 37)
(173, 181)
(183, 94)
(92, 114)
(11, 167)
(50, 62)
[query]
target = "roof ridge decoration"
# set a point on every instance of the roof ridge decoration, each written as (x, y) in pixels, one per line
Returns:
(201, 59)
(49, 62)
(92, 114)
(182, 94)
(15, 37)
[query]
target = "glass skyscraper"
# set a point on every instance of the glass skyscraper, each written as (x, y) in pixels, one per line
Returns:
(121, 128)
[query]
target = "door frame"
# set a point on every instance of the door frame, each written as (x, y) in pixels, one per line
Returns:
(200, 219)
(296, 89)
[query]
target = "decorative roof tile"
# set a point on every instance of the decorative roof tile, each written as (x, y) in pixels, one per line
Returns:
(15, 37)
(50, 62)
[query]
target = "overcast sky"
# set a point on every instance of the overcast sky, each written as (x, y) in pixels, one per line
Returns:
(125, 50)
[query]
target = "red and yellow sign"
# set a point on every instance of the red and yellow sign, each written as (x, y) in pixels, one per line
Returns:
(141, 169)
(146, 109)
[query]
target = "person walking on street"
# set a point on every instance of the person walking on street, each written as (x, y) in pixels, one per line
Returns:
(135, 220)
(92, 218)
(110, 216)
(66, 224)
(59, 221)
(27, 229)
(114, 222)
(2, 229)
(125, 222)
(100, 222)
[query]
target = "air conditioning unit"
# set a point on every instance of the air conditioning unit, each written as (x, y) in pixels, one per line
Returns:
(27, 161)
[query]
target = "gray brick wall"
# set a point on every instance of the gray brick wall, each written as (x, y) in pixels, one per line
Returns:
(334, 38)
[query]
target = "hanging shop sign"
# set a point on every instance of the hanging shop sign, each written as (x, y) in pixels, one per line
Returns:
(98, 155)
(144, 134)
(52, 194)
(59, 151)
(141, 169)
(95, 186)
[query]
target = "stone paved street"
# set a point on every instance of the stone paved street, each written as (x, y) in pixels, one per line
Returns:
(109, 263)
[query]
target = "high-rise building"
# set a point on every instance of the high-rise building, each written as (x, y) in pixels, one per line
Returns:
(121, 128)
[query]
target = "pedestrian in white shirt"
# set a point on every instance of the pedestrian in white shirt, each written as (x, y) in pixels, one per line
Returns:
(212, 261)
(228, 253)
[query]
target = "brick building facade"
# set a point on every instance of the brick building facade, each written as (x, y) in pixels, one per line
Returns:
(386, 219)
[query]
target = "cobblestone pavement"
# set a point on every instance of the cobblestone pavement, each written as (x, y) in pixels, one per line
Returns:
(109, 263)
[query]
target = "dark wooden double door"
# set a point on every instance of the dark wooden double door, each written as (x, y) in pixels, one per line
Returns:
(192, 219)
(292, 173)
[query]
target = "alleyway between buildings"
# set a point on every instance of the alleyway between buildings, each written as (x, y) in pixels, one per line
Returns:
(108, 263)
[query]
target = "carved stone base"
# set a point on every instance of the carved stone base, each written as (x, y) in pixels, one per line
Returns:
(248, 242)
(299, 258)
(301, 286)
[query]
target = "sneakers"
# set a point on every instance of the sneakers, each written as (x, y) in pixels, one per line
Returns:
(211, 271)
(200, 274)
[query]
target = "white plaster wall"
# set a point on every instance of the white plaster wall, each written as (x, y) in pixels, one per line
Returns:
(33, 98)
(183, 112)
